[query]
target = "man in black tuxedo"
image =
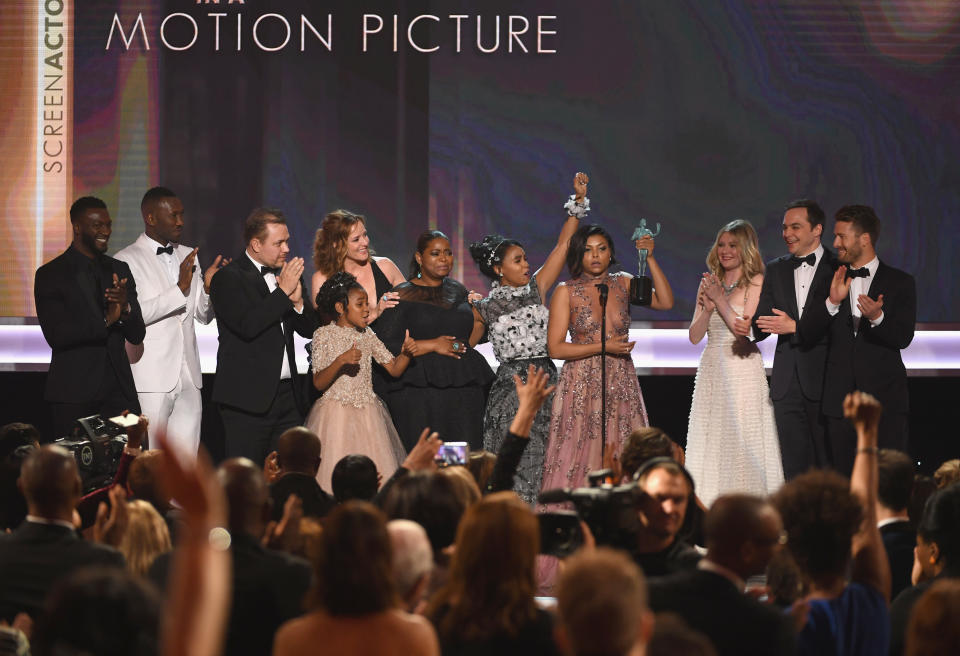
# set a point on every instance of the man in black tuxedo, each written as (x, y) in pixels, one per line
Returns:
(45, 548)
(869, 312)
(87, 306)
(796, 384)
(895, 473)
(743, 533)
(258, 300)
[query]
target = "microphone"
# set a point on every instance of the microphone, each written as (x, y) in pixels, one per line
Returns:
(604, 290)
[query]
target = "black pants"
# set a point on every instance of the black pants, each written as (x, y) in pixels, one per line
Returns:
(800, 427)
(254, 435)
(110, 401)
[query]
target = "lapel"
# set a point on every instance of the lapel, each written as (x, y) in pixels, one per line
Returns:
(252, 274)
(788, 289)
(148, 252)
(81, 273)
(879, 281)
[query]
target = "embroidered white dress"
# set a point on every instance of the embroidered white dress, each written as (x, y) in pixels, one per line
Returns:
(732, 441)
(349, 417)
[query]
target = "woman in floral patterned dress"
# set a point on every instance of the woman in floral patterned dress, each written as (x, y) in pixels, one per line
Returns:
(516, 322)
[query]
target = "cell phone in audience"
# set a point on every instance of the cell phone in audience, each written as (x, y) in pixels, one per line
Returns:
(126, 421)
(453, 453)
(560, 533)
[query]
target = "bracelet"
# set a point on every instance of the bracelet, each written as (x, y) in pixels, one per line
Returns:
(868, 449)
(575, 209)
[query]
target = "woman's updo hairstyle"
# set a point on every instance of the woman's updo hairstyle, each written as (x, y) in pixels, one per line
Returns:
(330, 243)
(335, 290)
(489, 252)
(422, 241)
(578, 246)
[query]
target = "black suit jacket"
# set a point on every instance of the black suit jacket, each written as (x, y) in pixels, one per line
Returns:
(734, 623)
(870, 360)
(72, 319)
(899, 539)
(801, 352)
(249, 317)
(35, 557)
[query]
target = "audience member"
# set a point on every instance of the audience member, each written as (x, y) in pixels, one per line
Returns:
(17, 441)
(602, 606)
(672, 637)
(923, 489)
(298, 460)
(355, 477)
(464, 484)
(947, 474)
(894, 485)
(667, 487)
(934, 628)
(832, 529)
(145, 538)
(45, 548)
(743, 533)
(268, 586)
(937, 554)
(481, 463)
(354, 599)
(412, 562)
(784, 583)
(102, 611)
(487, 604)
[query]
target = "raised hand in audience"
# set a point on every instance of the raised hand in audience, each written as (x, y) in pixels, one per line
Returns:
(531, 396)
(285, 534)
(422, 455)
(111, 523)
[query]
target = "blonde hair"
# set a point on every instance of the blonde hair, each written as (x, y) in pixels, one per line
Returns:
(465, 486)
(751, 263)
(146, 537)
(330, 243)
(947, 474)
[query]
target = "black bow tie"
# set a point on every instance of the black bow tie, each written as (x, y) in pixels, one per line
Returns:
(264, 270)
(168, 249)
(862, 272)
(810, 259)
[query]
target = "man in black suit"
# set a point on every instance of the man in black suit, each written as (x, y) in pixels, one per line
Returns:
(743, 533)
(87, 306)
(298, 459)
(869, 312)
(895, 473)
(258, 300)
(796, 384)
(45, 548)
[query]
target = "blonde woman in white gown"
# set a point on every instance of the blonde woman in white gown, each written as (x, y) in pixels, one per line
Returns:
(731, 437)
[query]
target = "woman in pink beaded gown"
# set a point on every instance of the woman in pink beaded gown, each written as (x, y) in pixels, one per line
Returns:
(574, 446)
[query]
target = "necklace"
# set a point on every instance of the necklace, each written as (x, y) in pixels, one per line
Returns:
(729, 288)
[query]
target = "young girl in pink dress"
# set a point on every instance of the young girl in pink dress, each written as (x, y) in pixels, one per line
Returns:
(349, 417)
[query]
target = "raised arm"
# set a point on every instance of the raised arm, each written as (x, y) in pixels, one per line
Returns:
(548, 273)
(662, 292)
(870, 564)
(701, 315)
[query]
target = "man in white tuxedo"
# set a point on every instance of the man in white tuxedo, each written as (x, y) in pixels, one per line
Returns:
(166, 367)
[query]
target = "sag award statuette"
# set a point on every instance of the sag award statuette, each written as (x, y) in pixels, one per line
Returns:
(641, 287)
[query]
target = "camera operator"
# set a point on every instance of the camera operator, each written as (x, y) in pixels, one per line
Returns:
(667, 488)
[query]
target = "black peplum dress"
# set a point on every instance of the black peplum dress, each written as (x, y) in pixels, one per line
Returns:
(438, 391)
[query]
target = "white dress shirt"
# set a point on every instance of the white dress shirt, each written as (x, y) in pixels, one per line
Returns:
(803, 278)
(169, 260)
(859, 286)
(271, 280)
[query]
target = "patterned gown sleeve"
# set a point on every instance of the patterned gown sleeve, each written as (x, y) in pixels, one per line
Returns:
(379, 352)
(323, 350)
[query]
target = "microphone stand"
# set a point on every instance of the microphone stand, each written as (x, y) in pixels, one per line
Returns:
(604, 290)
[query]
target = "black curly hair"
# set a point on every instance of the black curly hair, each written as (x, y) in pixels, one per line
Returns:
(821, 516)
(490, 251)
(335, 290)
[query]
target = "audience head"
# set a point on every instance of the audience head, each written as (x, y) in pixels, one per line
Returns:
(895, 479)
(947, 474)
(342, 234)
(672, 636)
(938, 535)
(644, 444)
(803, 224)
(934, 627)
(354, 477)
(743, 533)
(17, 441)
(602, 605)
(820, 516)
(412, 561)
(267, 237)
(502, 260)
(298, 451)
(433, 257)
(493, 572)
(145, 537)
(103, 611)
(143, 480)
(247, 496)
(667, 486)
(465, 486)
(738, 234)
(162, 215)
(481, 464)
(784, 579)
(855, 235)
(50, 483)
(591, 250)
(354, 574)
(430, 500)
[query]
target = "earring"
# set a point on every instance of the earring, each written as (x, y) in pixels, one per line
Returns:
(418, 275)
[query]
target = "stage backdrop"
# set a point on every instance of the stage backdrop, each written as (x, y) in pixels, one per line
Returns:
(472, 117)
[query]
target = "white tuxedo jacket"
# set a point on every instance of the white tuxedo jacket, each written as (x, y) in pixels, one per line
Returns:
(168, 315)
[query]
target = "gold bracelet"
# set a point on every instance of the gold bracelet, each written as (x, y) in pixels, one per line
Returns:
(868, 449)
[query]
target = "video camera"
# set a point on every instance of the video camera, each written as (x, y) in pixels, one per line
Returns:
(97, 445)
(609, 510)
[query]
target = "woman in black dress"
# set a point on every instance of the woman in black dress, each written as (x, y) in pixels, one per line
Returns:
(445, 386)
